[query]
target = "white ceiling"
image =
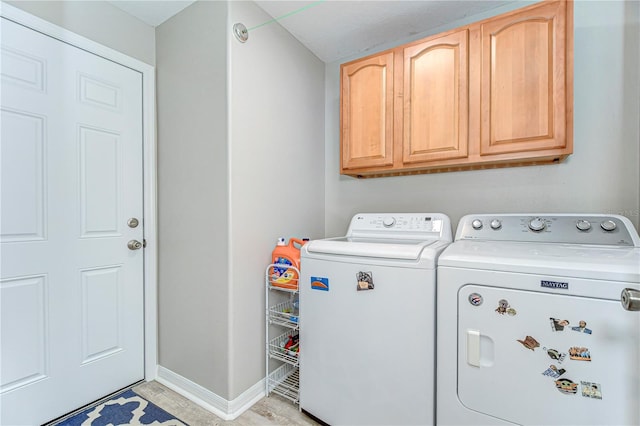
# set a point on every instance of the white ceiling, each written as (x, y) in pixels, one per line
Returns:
(152, 12)
(334, 29)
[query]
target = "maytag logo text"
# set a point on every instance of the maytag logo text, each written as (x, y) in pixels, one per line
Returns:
(554, 284)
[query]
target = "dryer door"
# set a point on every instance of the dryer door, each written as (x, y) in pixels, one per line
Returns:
(532, 358)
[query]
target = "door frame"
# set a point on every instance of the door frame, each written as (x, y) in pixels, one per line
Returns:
(149, 165)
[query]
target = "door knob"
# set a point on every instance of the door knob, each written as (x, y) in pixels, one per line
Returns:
(134, 245)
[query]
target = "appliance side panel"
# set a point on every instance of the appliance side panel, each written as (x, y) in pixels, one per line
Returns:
(367, 356)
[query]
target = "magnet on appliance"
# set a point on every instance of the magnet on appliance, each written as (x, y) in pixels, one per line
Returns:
(582, 327)
(566, 386)
(554, 371)
(320, 283)
(555, 355)
(475, 299)
(502, 306)
(558, 324)
(365, 280)
(530, 343)
(591, 390)
(579, 353)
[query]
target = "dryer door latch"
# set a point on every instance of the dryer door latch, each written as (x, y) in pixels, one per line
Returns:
(630, 299)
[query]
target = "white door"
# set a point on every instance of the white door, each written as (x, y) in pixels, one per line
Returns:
(71, 291)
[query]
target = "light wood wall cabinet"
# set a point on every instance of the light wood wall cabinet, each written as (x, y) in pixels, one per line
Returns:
(367, 112)
(495, 93)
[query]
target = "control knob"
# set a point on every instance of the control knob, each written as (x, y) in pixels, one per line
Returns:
(537, 224)
(583, 225)
(388, 221)
(496, 224)
(476, 224)
(608, 225)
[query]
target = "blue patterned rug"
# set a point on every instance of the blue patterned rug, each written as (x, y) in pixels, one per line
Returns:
(126, 408)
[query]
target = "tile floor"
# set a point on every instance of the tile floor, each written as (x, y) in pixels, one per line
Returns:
(271, 410)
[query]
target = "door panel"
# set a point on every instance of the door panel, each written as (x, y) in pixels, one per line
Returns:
(523, 81)
(23, 209)
(367, 112)
(99, 186)
(436, 101)
(523, 357)
(71, 290)
(23, 300)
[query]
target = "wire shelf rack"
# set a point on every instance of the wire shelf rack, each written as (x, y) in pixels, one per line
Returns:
(285, 314)
(284, 381)
(277, 348)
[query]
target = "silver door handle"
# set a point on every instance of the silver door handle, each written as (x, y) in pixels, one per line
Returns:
(630, 299)
(134, 245)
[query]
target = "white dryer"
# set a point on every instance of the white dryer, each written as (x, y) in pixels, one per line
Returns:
(367, 321)
(531, 328)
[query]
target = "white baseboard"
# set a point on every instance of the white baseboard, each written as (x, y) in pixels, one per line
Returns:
(226, 410)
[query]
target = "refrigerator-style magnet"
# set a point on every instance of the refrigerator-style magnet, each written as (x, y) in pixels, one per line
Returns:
(554, 371)
(579, 353)
(581, 327)
(530, 343)
(556, 355)
(558, 324)
(365, 281)
(475, 299)
(505, 308)
(320, 283)
(591, 390)
(566, 386)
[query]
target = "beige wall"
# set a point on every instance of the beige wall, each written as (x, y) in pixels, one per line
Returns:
(601, 176)
(277, 164)
(240, 143)
(193, 190)
(100, 22)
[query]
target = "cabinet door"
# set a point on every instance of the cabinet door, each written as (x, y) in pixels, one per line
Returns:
(523, 82)
(436, 99)
(366, 112)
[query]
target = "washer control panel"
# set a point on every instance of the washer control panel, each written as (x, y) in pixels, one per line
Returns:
(407, 225)
(596, 229)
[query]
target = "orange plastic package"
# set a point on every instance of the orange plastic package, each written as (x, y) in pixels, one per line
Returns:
(287, 255)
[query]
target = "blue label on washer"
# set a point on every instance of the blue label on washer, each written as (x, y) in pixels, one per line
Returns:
(319, 283)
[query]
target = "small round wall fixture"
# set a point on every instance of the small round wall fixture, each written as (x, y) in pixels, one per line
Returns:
(241, 32)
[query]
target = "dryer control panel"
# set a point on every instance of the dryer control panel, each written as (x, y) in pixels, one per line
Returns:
(596, 229)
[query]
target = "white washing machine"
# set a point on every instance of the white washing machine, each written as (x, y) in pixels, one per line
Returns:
(367, 321)
(531, 328)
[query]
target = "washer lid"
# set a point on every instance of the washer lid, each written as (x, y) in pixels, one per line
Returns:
(402, 236)
(369, 247)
